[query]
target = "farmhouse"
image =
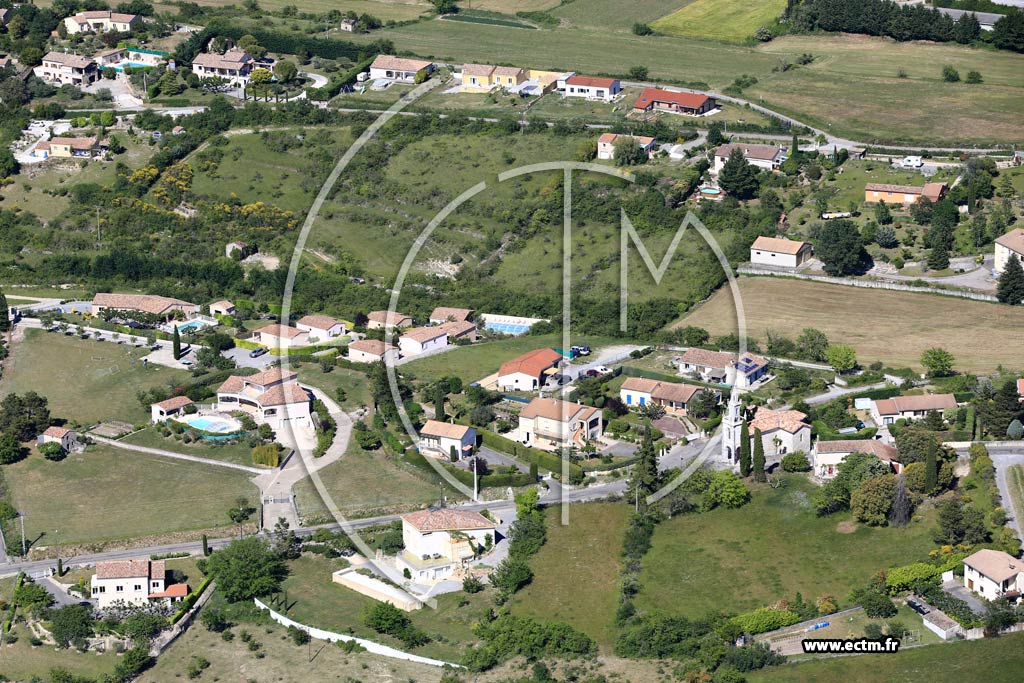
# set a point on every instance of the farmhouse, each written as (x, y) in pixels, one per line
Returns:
(551, 424)
(673, 396)
(606, 145)
(272, 396)
(222, 307)
(767, 157)
(381, 320)
(782, 253)
(79, 148)
(281, 336)
(460, 330)
(592, 88)
(98, 21)
(444, 314)
(1010, 244)
(439, 543)
(993, 574)
(320, 326)
(828, 455)
(65, 69)
(656, 99)
(887, 410)
(231, 247)
(134, 582)
(348, 25)
(527, 372)
(388, 67)
(163, 306)
(67, 438)
(420, 339)
(234, 66)
(159, 412)
(439, 438)
(902, 194)
(371, 351)
(782, 432)
(720, 367)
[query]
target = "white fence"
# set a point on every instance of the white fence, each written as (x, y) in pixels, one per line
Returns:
(330, 636)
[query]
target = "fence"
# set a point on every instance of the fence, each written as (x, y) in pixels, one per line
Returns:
(867, 284)
(332, 637)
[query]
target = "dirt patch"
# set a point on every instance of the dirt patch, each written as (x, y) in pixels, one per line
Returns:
(846, 527)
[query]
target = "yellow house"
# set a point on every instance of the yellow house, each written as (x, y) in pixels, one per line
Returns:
(70, 147)
(508, 76)
(477, 78)
(548, 80)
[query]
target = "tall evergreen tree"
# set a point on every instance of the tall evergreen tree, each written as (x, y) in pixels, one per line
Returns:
(1011, 283)
(931, 472)
(745, 450)
(899, 513)
(645, 472)
(176, 343)
(440, 393)
(938, 257)
(737, 177)
(759, 474)
(5, 321)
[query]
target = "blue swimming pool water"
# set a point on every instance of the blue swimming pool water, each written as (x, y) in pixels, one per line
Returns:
(192, 325)
(121, 65)
(212, 423)
(507, 328)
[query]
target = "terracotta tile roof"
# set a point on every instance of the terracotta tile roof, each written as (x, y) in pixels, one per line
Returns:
(447, 519)
(900, 404)
(443, 313)
(74, 61)
(759, 152)
(223, 303)
(477, 69)
(898, 189)
(553, 409)
(711, 359)
(174, 402)
(1020, 387)
(445, 429)
(934, 191)
(280, 331)
(56, 432)
(591, 82)
(641, 384)
(995, 564)
(283, 394)
(388, 317)
(372, 346)
(270, 376)
(423, 334)
(232, 59)
(147, 303)
(875, 447)
(687, 100)
(75, 143)
(399, 64)
(531, 363)
(119, 17)
(457, 328)
(176, 590)
(779, 245)
(767, 420)
(666, 391)
(317, 322)
(130, 569)
(610, 138)
(1013, 240)
(508, 70)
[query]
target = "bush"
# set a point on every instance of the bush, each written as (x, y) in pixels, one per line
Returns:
(764, 619)
(949, 74)
(796, 462)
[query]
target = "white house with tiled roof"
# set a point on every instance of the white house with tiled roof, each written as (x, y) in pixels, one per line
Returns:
(163, 410)
(67, 438)
(281, 336)
(782, 432)
(994, 574)
(273, 397)
(606, 145)
(381, 320)
(163, 306)
(222, 307)
(371, 351)
(134, 582)
(439, 542)
(779, 252)
(320, 327)
(767, 157)
(439, 438)
(422, 339)
(828, 455)
(637, 392)
(444, 314)
(887, 410)
(98, 21)
(1010, 244)
(62, 68)
(391, 68)
(234, 66)
(528, 371)
(551, 424)
(720, 367)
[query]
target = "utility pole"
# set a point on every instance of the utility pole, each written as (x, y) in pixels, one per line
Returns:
(98, 207)
(476, 495)
(24, 551)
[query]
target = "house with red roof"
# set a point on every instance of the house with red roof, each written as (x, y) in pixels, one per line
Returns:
(528, 371)
(67, 438)
(606, 144)
(591, 88)
(782, 432)
(886, 411)
(440, 543)
(272, 397)
(281, 336)
(691, 103)
(134, 582)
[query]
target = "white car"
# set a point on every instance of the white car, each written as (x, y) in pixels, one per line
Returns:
(912, 162)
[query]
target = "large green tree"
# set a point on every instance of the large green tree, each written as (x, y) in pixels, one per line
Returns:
(937, 361)
(737, 177)
(758, 463)
(872, 500)
(1010, 289)
(246, 569)
(839, 245)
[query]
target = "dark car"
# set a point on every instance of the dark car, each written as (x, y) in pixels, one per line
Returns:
(256, 353)
(917, 606)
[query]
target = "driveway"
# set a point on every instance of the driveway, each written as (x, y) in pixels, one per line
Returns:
(495, 459)
(958, 590)
(620, 449)
(242, 359)
(1003, 458)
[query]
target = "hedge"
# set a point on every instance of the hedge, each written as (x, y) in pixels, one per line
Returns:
(543, 459)
(466, 477)
(13, 607)
(765, 619)
(289, 43)
(826, 433)
(190, 600)
(877, 394)
(334, 85)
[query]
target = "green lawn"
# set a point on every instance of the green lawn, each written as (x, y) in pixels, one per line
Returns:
(768, 550)
(729, 20)
(354, 383)
(385, 10)
(576, 573)
(1015, 481)
(238, 452)
(993, 660)
(106, 493)
(85, 381)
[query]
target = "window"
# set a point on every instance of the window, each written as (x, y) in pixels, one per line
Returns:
(138, 586)
(120, 589)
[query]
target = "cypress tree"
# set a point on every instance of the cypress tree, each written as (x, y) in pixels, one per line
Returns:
(206, 546)
(759, 474)
(439, 395)
(938, 258)
(1011, 283)
(931, 472)
(899, 514)
(176, 343)
(745, 450)
(5, 322)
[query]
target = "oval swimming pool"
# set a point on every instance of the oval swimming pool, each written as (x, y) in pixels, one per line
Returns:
(215, 424)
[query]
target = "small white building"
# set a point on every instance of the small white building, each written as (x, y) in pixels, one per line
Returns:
(782, 432)
(421, 339)
(241, 247)
(134, 582)
(993, 573)
(605, 89)
(320, 327)
(888, 410)
(67, 438)
(439, 543)
(780, 253)
(371, 351)
(222, 307)
(606, 145)
(529, 371)
(382, 320)
(1010, 244)
(281, 337)
(160, 412)
(399, 69)
(767, 157)
(439, 438)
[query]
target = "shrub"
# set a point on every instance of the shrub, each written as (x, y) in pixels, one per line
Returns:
(764, 619)
(796, 462)
(949, 74)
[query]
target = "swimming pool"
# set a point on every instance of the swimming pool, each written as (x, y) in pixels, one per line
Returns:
(193, 325)
(135, 65)
(710, 191)
(221, 425)
(507, 328)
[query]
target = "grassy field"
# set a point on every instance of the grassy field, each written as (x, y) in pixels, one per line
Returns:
(768, 550)
(357, 393)
(362, 482)
(385, 10)
(613, 16)
(729, 20)
(576, 573)
(994, 660)
(107, 493)
(978, 334)
(85, 381)
(1015, 481)
(236, 452)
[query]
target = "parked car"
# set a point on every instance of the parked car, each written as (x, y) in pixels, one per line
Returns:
(603, 370)
(185, 362)
(582, 350)
(917, 606)
(256, 353)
